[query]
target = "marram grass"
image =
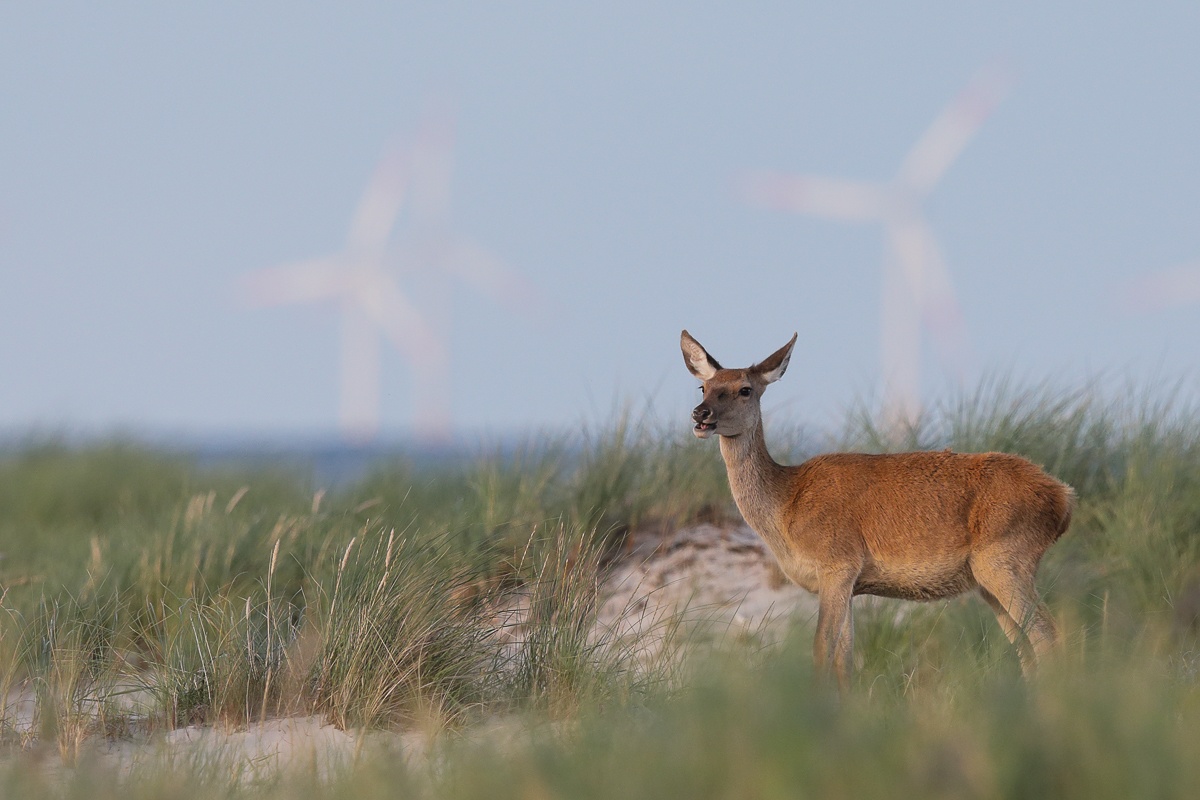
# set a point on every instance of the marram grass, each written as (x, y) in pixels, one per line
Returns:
(138, 594)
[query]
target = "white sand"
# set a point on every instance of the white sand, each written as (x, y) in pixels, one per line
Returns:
(723, 575)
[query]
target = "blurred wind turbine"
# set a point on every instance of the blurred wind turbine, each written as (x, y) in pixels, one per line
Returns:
(372, 305)
(916, 283)
(1172, 288)
(431, 256)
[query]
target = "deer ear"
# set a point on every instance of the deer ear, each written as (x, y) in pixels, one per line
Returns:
(775, 365)
(697, 359)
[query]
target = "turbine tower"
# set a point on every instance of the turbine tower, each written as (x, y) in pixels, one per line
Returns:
(916, 283)
(362, 282)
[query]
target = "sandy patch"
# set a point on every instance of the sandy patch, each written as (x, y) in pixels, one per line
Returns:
(258, 750)
(723, 575)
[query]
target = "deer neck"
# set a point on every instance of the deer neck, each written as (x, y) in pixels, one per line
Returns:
(758, 483)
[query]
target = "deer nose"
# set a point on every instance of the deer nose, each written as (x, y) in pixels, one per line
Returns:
(701, 413)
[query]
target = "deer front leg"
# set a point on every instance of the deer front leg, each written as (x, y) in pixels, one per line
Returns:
(833, 649)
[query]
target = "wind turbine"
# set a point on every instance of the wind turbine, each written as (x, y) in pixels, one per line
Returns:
(1171, 288)
(361, 281)
(431, 256)
(916, 283)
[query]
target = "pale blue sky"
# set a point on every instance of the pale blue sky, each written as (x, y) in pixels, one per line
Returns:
(151, 153)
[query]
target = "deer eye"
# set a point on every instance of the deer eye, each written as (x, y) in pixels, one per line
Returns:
(744, 391)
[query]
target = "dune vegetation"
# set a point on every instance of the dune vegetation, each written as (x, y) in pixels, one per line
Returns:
(140, 594)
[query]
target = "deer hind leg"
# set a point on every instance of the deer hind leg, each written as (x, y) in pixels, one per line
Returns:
(1013, 597)
(833, 648)
(1012, 631)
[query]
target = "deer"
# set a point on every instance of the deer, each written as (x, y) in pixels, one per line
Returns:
(914, 526)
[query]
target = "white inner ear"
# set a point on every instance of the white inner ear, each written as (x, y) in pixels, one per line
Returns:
(697, 358)
(699, 362)
(777, 373)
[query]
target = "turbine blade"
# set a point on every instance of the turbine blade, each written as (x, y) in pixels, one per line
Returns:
(1171, 288)
(380, 204)
(400, 322)
(822, 197)
(421, 170)
(487, 274)
(432, 165)
(948, 135)
(310, 281)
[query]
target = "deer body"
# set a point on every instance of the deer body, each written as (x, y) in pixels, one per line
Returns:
(914, 526)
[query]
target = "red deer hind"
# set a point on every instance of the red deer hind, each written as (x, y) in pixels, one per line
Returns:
(915, 526)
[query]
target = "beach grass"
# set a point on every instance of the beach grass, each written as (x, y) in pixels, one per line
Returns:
(140, 593)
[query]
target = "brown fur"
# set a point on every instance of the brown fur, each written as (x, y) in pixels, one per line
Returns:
(915, 526)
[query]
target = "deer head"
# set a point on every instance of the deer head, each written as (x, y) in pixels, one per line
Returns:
(732, 397)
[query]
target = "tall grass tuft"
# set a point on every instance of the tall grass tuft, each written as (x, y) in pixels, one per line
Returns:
(73, 669)
(223, 660)
(401, 633)
(560, 661)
